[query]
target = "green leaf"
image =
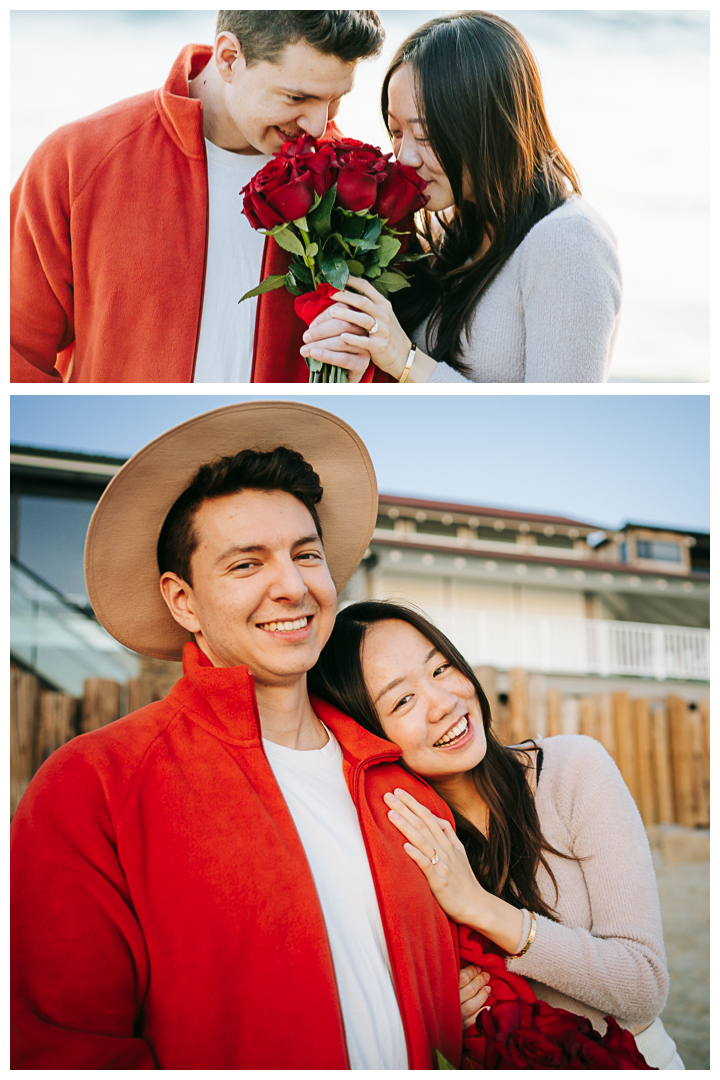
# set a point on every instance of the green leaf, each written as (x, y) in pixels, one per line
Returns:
(335, 271)
(320, 217)
(356, 268)
(443, 1062)
(313, 250)
(336, 236)
(275, 281)
(414, 258)
(373, 271)
(277, 229)
(291, 284)
(361, 246)
(352, 226)
(302, 273)
(301, 223)
(313, 364)
(289, 241)
(393, 281)
(372, 232)
(388, 248)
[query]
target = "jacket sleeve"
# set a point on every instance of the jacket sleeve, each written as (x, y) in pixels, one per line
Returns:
(619, 965)
(41, 275)
(80, 970)
(571, 293)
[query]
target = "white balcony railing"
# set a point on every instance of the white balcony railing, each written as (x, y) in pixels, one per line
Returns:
(577, 646)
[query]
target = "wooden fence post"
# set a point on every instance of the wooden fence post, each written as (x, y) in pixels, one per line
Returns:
(518, 706)
(662, 763)
(700, 766)
(588, 717)
(704, 707)
(625, 742)
(606, 724)
(554, 711)
(682, 761)
(645, 779)
(100, 704)
(58, 720)
(139, 692)
(537, 705)
(570, 716)
(24, 690)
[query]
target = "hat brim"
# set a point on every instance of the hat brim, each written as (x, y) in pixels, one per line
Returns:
(121, 569)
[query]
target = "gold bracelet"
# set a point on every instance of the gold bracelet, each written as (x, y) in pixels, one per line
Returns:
(409, 363)
(530, 938)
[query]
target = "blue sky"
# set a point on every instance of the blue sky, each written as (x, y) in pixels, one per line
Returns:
(598, 458)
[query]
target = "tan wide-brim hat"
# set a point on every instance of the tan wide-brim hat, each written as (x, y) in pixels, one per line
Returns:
(121, 569)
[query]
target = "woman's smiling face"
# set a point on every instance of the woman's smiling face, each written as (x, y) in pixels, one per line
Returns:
(410, 144)
(424, 704)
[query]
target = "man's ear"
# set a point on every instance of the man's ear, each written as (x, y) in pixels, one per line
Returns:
(228, 55)
(178, 596)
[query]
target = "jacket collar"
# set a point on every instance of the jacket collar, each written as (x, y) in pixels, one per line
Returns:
(182, 115)
(223, 701)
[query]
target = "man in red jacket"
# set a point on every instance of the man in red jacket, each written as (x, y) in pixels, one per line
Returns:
(129, 251)
(212, 882)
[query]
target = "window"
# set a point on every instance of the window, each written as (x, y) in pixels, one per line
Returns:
(50, 540)
(658, 549)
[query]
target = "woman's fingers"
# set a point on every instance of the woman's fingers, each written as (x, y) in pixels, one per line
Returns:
(342, 316)
(422, 819)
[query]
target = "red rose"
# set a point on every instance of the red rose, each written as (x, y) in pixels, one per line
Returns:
(536, 1051)
(306, 144)
(559, 1024)
(401, 194)
(360, 172)
(621, 1044)
(279, 193)
(319, 159)
(275, 174)
(310, 305)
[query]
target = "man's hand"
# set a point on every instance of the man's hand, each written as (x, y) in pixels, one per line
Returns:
(474, 992)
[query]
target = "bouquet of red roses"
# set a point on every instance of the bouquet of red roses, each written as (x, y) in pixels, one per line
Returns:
(517, 1031)
(339, 208)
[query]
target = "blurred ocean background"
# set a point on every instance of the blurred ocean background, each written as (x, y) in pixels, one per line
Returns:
(628, 98)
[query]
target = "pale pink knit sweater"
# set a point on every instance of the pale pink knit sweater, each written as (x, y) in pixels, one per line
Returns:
(606, 955)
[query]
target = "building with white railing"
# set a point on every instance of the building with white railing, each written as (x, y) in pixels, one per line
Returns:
(551, 595)
(568, 600)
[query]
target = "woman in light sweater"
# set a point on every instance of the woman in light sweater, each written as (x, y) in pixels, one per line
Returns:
(553, 849)
(523, 281)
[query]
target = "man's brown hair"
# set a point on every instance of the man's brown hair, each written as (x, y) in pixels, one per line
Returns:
(263, 35)
(250, 470)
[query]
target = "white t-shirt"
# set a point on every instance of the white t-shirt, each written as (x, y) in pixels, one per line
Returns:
(234, 262)
(315, 791)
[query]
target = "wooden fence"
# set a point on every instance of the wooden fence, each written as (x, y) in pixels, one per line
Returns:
(661, 745)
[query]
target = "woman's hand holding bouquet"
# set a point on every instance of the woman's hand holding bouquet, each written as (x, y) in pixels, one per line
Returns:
(339, 208)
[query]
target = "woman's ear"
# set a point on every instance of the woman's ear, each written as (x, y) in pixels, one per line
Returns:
(178, 596)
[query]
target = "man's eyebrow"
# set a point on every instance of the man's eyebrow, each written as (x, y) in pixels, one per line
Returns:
(395, 682)
(254, 549)
(238, 549)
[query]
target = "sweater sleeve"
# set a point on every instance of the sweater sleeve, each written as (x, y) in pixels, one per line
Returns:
(41, 275)
(80, 970)
(618, 966)
(571, 293)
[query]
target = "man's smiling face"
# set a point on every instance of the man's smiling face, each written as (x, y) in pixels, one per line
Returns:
(299, 94)
(261, 591)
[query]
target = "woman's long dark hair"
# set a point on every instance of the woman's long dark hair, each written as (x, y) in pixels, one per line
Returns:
(506, 861)
(480, 102)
